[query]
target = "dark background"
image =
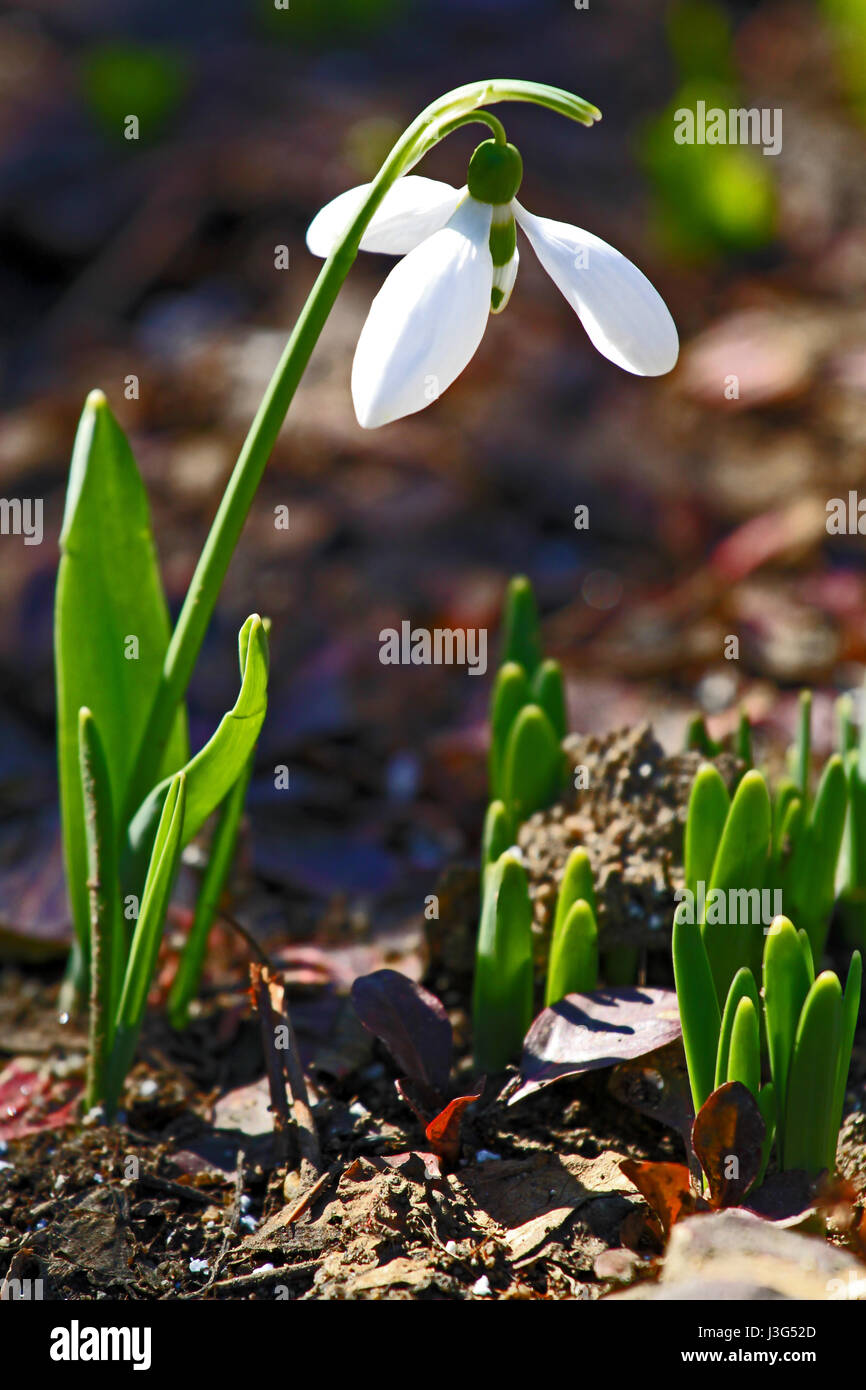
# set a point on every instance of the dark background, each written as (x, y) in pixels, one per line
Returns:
(707, 515)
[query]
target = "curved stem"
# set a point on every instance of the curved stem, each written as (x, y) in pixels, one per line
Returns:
(445, 114)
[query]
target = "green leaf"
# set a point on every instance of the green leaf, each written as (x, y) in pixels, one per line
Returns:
(548, 691)
(498, 834)
(740, 866)
(108, 591)
(846, 734)
(786, 795)
(577, 882)
(698, 1004)
(697, 739)
(850, 1011)
(787, 982)
(185, 985)
(502, 996)
(510, 693)
(522, 630)
(107, 946)
(799, 756)
(573, 964)
(744, 1058)
(532, 765)
(744, 740)
(148, 933)
(809, 882)
(742, 987)
(709, 804)
(852, 868)
(810, 1140)
(213, 771)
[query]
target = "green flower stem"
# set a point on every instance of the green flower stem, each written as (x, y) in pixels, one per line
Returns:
(434, 122)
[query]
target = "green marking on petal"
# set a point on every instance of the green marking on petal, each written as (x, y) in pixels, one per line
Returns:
(503, 239)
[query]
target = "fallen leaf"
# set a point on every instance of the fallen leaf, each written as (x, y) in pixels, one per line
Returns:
(584, 1032)
(31, 1101)
(657, 1086)
(443, 1132)
(727, 1136)
(410, 1021)
(667, 1188)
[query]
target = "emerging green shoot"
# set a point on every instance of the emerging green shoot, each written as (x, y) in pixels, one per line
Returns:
(502, 999)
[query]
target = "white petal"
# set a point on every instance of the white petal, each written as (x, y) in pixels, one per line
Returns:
(412, 209)
(626, 319)
(426, 321)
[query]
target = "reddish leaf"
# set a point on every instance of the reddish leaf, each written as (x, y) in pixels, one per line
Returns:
(586, 1031)
(666, 1186)
(410, 1021)
(30, 1102)
(443, 1133)
(727, 1136)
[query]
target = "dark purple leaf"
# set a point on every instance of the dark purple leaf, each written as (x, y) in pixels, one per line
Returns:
(410, 1021)
(728, 1136)
(584, 1032)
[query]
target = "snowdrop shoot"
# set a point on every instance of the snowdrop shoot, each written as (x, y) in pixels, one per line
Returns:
(459, 264)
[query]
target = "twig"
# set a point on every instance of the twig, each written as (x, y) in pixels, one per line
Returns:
(258, 951)
(308, 1139)
(175, 1189)
(264, 1276)
(304, 1202)
(260, 981)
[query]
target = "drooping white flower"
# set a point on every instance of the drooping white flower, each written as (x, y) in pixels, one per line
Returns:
(459, 264)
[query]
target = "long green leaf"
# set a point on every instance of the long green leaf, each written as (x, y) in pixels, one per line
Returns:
(522, 630)
(107, 954)
(850, 1011)
(573, 964)
(532, 769)
(810, 1140)
(742, 987)
(148, 934)
(787, 982)
(108, 593)
(709, 804)
(744, 1057)
(502, 996)
(809, 881)
(740, 866)
(510, 693)
(213, 771)
(698, 1004)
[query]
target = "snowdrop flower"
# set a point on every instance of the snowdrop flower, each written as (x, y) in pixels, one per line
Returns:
(459, 264)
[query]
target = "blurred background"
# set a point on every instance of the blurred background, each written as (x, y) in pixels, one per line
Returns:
(155, 259)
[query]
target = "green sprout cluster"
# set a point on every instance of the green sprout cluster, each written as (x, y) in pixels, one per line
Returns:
(526, 767)
(527, 714)
(789, 1043)
(798, 1033)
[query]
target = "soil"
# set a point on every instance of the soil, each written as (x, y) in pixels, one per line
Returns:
(187, 1195)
